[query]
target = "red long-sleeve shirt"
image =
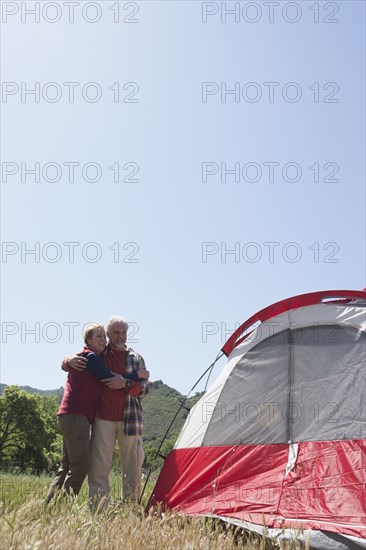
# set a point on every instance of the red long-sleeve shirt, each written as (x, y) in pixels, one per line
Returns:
(82, 389)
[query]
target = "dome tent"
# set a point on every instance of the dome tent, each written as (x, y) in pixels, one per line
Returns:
(279, 440)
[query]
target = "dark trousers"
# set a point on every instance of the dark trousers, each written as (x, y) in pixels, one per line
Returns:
(74, 465)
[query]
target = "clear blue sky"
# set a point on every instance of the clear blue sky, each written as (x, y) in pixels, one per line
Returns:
(153, 97)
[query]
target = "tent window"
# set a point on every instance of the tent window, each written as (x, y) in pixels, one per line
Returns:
(305, 384)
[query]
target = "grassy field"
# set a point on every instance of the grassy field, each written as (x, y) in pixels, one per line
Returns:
(27, 523)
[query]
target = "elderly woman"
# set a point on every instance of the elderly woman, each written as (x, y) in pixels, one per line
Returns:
(77, 412)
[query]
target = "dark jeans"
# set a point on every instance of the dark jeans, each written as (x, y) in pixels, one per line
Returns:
(74, 465)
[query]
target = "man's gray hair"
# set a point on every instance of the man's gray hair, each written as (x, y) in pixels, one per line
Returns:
(116, 319)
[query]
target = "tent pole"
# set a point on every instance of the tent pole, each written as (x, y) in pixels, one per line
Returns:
(219, 355)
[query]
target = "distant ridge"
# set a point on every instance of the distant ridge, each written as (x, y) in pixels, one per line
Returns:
(59, 392)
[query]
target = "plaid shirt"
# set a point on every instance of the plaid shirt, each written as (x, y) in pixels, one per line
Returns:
(132, 419)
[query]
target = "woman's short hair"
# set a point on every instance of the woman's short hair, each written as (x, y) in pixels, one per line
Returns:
(89, 330)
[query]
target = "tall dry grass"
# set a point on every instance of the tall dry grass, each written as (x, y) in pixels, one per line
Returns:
(26, 522)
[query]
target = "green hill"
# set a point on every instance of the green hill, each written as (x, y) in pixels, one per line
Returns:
(160, 406)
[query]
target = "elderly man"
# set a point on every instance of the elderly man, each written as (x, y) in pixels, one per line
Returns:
(118, 416)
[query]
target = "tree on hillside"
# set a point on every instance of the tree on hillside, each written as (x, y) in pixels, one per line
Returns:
(24, 439)
(48, 407)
